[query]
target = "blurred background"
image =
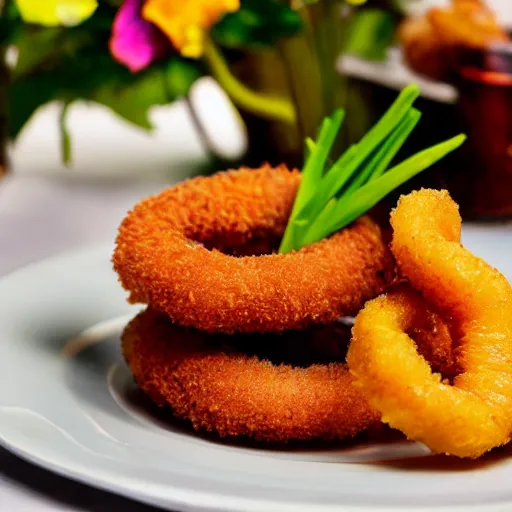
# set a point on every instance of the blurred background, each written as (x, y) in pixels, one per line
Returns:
(111, 89)
(103, 102)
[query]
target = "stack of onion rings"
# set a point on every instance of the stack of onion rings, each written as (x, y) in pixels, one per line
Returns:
(220, 388)
(201, 255)
(472, 414)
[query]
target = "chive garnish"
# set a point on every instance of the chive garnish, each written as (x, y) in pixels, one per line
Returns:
(349, 208)
(328, 200)
(313, 169)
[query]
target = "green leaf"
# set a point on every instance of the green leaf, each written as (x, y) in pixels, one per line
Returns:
(310, 147)
(97, 77)
(26, 96)
(42, 48)
(180, 74)
(75, 64)
(347, 165)
(350, 207)
(10, 10)
(257, 23)
(64, 134)
(359, 179)
(312, 172)
(9, 22)
(381, 159)
(314, 168)
(132, 96)
(132, 101)
(352, 162)
(370, 32)
(35, 47)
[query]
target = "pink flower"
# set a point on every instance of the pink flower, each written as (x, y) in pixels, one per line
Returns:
(136, 43)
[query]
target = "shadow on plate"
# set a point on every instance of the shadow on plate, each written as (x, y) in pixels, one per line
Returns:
(436, 463)
(60, 491)
(97, 374)
(140, 405)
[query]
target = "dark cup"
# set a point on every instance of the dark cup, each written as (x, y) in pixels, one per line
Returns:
(484, 185)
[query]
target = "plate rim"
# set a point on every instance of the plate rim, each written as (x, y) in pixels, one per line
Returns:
(175, 496)
(210, 502)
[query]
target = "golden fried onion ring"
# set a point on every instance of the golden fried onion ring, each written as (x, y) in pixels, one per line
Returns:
(169, 255)
(474, 414)
(219, 389)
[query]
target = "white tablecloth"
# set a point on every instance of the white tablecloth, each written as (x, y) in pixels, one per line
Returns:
(39, 217)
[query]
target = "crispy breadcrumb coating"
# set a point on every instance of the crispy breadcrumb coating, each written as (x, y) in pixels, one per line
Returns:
(225, 391)
(168, 255)
(473, 414)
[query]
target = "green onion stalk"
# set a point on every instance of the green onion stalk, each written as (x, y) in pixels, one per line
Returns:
(332, 195)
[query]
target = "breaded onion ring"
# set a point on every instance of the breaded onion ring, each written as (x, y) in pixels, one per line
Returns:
(168, 255)
(222, 390)
(429, 331)
(474, 414)
(435, 44)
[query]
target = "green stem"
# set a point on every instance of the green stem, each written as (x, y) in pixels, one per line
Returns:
(4, 101)
(301, 64)
(329, 33)
(262, 105)
(327, 44)
(288, 71)
(65, 138)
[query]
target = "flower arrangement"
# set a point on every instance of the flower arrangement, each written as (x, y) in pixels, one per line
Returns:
(131, 55)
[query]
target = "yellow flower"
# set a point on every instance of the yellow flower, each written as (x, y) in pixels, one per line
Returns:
(184, 22)
(53, 13)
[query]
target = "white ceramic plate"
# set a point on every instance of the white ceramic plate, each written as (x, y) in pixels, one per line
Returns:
(67, 403)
